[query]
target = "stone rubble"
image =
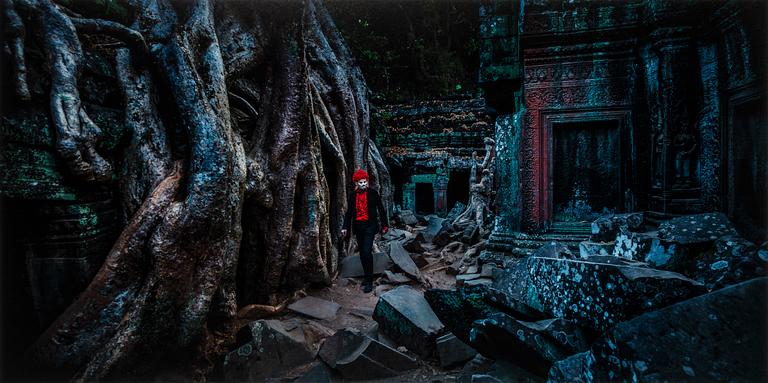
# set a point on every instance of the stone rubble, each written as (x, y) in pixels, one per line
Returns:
(631, 305)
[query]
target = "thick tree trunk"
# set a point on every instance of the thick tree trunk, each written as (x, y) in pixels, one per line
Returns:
(267, 125)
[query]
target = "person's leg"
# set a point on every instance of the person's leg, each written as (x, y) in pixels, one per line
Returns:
(365, 244)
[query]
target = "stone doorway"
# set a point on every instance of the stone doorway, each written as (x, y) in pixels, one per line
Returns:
(458, 187)
(585, 169)
(425, 198)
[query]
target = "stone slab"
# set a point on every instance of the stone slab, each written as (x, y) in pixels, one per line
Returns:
(696, 229)
(352, 268)
(403, 260)
(405, 316)
(451, 350)
(315, 307)
(269, 351)
(720, 336)
(594, 294)
(358, 357)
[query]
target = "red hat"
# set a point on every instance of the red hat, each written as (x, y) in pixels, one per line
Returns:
(360, 174)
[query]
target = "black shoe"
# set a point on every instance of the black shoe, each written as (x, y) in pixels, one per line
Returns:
(367, 288)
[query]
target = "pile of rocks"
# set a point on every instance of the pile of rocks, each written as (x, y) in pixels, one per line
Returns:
(684, 302)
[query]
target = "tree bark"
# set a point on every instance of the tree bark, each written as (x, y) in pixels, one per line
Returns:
(264, 129)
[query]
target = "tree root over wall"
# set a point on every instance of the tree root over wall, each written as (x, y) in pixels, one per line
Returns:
(245, 123)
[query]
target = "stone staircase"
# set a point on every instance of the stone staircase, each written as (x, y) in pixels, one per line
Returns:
(523, 244)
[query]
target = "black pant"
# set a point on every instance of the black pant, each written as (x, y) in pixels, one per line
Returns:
(364, 233)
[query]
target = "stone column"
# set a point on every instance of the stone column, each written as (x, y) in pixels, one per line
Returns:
(441, 194)
(409, 196)
(507, 222)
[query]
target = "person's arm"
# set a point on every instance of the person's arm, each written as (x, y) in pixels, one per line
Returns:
(382, 214)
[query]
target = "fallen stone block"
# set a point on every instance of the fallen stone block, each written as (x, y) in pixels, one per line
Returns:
(394, 234)
(407, 217)
(420, 260)
(733, 260)
(458, 309)
(413, 246)
(487, 270)
(405, 316)
(315, 307)
(467, 277)
(508, 304)
(316, 373)
(352, 268)
(358, 357)
(720, 336)
(395, 278)
(696, 229)
(553, 250)
(589, 248)
(403, 260)
(635, 246)
(575, 368)
(593, 294)
(456, 211)
(494, 257)
(502, 337)
(444, 237)
(269, 351)
(605, 228)
(434, 225)
(478, 282)
(471, 234)
(451, 350)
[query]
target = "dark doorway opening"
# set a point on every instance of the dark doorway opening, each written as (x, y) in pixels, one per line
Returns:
(458, 187)
(425, 198)
(749, 165)
(585, 169)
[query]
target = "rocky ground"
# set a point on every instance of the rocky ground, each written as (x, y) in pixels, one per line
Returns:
(681, 301)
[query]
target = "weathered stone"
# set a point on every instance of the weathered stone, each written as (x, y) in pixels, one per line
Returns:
(315, 307)
(471, 234)
(565, 333)
(467, 277)
(403, 260)
(413, 246)
(553, 250)
(734, 259)
(382, 289)
(358, 357)
(714, 337)
(419, 259)
(667, 255)
(395, 278)
(478, 282)
(394, 234)
(696, 229)
(487, 270)
(605, 228)
(575, 368)
(434, 225)
(456, 211)
(407, 217)
(351, 266)
(451, 350)
(509, 304)
(635, 246)
(443, 238)
(493, 257)
(405, 316)
(502, 337)
(268, 351)
(457, 309)
(589, 248)
(472, 269)
(593, 294)
(316, 373)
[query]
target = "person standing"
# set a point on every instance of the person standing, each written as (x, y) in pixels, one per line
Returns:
(366, 216)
